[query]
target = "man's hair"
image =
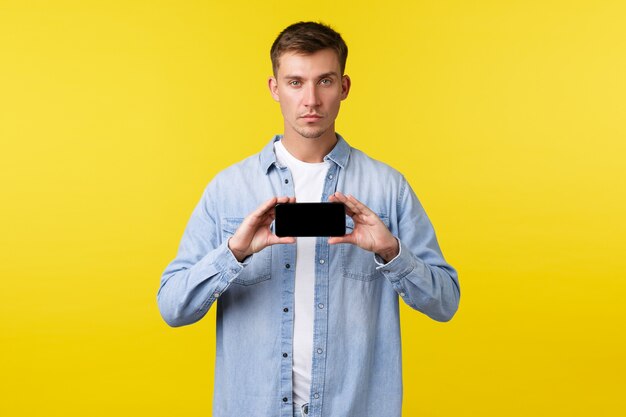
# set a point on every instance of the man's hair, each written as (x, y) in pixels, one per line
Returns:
(308, 38)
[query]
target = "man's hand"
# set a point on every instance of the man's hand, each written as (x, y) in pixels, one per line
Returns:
(369, 233)
(254, 234)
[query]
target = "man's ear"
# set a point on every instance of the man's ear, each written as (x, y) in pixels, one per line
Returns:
(345, 86)
(273, 86)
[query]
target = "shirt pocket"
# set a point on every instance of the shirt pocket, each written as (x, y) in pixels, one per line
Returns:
(259, 268)
(357, 263)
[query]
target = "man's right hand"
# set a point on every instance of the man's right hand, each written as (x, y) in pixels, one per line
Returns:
(254, 234)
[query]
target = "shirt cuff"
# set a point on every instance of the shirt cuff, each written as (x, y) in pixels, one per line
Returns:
(227, 262)
(381, 262)
(403, 264)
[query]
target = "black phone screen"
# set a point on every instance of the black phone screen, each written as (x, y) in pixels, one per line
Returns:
(310, 219)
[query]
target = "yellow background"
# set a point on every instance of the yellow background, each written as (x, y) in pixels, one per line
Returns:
(507, 117)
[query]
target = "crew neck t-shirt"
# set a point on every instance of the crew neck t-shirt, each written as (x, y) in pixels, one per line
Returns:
(308, 180)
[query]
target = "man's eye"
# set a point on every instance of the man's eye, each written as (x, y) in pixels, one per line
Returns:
(294, 83)
(326, 81)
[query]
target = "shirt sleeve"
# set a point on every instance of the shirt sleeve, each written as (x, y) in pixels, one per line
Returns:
(419, 273)
(202, 270)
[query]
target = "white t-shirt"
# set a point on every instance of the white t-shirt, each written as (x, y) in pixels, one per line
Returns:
(308, 180)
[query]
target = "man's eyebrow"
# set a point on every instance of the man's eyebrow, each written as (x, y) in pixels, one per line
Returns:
(329, 74)
(324, 75)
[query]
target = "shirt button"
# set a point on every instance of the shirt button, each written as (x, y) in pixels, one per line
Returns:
(322, 261)
(319, 350)
(285, 399)
(402, 294)
(216, 294)
(286, 181)
(287, 266)
(285, 355)
(285, 309)
(316, 395)
(233, 270)
(330, 177)
(320, 305)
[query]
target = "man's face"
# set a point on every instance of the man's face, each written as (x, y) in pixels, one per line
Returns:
(309, 89)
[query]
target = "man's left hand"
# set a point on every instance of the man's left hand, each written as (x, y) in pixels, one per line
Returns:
(369, 233)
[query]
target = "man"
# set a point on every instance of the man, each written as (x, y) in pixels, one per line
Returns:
(308, 326)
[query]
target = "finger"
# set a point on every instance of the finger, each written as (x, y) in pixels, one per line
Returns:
(362, 213)
(349, 238)
(280, 200)
(263, 208)
(283, 199)
(352, 206)
(362, 208)
(274, 240)
(349, 212)
(340, 198)
(345, 200)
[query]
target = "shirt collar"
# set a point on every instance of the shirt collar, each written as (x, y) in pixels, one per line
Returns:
(339, 154)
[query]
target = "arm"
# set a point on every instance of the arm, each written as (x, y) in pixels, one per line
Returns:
(419, 273)
(412, 262)
(201, 271)
(204, 269)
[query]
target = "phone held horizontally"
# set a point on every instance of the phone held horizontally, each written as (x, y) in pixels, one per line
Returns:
(310, 219)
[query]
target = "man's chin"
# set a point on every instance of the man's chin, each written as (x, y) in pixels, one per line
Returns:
(311, 133)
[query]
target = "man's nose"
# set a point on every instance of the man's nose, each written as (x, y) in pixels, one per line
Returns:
(311, 97)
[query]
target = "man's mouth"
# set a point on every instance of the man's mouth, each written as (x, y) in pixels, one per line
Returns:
(311, 117)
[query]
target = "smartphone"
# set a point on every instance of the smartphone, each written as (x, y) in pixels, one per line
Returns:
(310, 219)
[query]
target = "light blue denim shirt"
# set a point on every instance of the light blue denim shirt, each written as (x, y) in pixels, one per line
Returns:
(357, 366)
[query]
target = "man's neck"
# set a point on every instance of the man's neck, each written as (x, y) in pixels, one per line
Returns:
(310, 150)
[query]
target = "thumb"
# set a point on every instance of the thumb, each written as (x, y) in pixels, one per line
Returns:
(340, 239)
